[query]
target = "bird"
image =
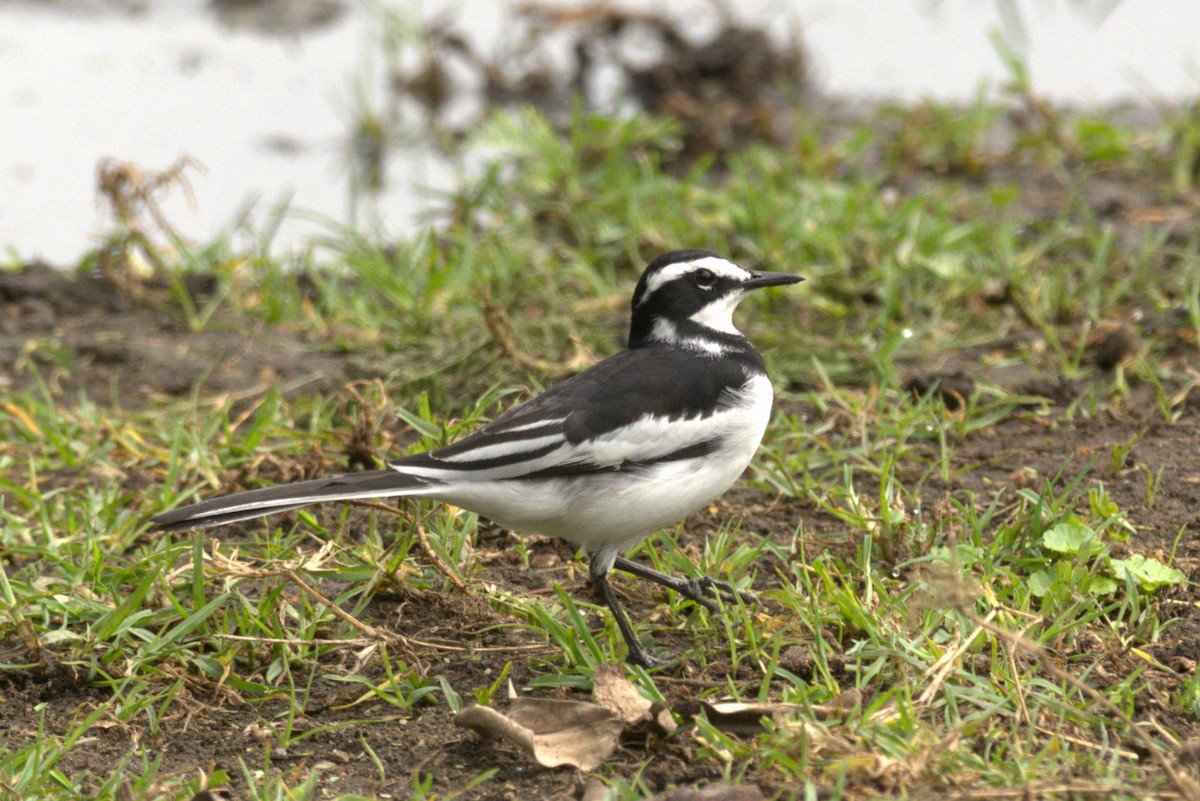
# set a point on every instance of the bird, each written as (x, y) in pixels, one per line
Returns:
(606, 457)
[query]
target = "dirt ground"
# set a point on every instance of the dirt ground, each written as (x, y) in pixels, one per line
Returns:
(110, 345)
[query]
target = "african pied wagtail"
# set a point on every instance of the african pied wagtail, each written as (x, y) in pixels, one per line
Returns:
(605, 458)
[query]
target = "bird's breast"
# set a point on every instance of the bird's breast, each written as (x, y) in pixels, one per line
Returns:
(624, 506)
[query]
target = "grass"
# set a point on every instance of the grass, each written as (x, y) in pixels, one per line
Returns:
(939, 609)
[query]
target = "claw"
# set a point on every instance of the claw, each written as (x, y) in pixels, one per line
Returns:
(645, 659)
(703, 588)
(727, 589)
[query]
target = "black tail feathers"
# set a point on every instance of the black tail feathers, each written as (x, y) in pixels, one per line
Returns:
(269, 500)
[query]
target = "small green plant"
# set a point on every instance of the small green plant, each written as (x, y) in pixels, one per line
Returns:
(1082, 562)
(484, 695)
(402, 687)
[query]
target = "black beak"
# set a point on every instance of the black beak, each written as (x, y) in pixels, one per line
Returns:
(759, 280)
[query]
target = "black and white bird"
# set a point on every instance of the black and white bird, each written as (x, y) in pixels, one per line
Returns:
(607, 457)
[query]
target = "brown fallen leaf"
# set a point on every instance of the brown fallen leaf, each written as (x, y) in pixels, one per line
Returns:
(613, 691)
(746, 719)
(595, 790)
(553, 732)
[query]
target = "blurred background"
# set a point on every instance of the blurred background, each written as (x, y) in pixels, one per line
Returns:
(303, 115)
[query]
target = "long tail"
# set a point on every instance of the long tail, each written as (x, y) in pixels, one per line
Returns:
(269, 500)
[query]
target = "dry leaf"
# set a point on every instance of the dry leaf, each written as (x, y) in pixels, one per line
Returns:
(595, 790)
(553, 732)
(746, 719)
(613, 691)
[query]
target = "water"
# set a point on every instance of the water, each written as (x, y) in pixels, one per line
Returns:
(1091, 52)
(269, 114)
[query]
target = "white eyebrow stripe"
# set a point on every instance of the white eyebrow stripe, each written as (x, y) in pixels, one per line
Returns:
(721, 267)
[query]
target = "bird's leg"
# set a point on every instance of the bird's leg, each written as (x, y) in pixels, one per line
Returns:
(701, 590)
(598, 569)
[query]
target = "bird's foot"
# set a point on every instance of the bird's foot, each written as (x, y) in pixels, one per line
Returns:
(643, 658)
(703, 590)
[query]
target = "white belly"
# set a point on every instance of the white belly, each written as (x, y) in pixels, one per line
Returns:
(622, 508)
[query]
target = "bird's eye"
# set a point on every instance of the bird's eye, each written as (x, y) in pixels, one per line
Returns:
(704, 278)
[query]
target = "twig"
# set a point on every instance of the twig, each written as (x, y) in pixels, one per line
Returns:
(501, 329)
(366, 629)
(1082, 743)
(479, 649)
(1036, 790)
(293, 640)
(942, 669)
(360, 449)
(376, 636)
(422, 538)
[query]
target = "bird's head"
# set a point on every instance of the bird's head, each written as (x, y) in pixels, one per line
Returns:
(687, 297)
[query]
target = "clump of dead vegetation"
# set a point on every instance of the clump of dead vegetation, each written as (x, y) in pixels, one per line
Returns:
(728, 88)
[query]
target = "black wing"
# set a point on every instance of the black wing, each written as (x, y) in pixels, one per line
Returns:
(612, 415)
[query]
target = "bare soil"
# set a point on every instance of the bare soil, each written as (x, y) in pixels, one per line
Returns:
(94, 339)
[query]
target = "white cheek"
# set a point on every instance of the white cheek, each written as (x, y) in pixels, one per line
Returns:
(719, 315)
